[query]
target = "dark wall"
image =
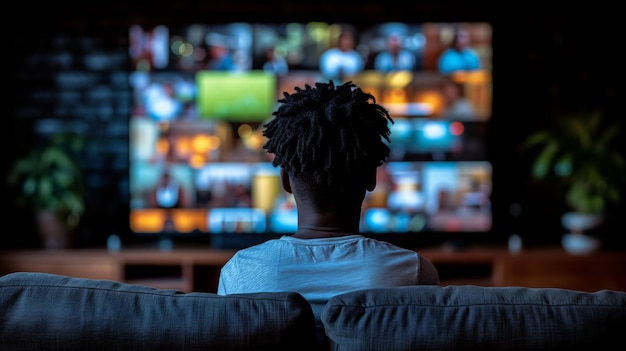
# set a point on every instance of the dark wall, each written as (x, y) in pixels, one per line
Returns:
(68, 66)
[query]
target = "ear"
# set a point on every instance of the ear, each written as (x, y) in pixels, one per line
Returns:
(370, 180)
(284, 180)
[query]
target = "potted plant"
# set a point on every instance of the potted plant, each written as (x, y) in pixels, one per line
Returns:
(49, 181)
(579, 157)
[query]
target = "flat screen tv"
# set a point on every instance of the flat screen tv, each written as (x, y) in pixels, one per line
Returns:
(202, 93)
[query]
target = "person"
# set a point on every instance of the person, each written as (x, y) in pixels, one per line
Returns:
(477, 196)
(168, 193)
(328, 141)
(456, 105)
(220, 57)
(395, 57)
(343, 60)
(160, 102)
(459, 56)
(275, 63)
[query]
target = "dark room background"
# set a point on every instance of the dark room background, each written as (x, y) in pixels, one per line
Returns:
(67, 65)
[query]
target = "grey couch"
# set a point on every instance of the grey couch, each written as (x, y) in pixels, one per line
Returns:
(41, 311)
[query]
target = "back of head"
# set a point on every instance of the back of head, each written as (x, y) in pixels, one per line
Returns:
(461, 39)
(328, 138)
(345, 42)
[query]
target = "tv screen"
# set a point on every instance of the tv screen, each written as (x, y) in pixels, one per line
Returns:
(203, 92)
(235, 96)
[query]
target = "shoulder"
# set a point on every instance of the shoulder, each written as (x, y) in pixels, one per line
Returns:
(257, 249)
(330, 52)
(448, 52)
(387, 246)
(469, 53)
(382, 55)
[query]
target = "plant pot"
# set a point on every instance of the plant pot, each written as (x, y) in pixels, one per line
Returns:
(53, 232)
(576, 242)
(580, 244)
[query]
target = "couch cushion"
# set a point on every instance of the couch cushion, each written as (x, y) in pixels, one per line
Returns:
(475, 318)
(44, 311)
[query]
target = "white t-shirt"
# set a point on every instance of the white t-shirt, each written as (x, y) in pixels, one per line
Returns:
(321, 268)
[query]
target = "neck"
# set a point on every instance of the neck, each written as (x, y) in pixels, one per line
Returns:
(324, 225)
(312, 232)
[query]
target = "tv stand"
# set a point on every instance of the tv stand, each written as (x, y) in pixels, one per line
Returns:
(198, 269)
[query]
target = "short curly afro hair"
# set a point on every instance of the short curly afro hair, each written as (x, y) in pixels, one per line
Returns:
(328, 135)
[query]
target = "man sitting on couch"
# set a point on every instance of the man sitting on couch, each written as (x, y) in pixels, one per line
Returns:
(328, 142)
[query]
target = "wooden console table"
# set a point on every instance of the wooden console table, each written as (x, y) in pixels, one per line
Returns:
(182, 269)
(537, 267)
(198, 269)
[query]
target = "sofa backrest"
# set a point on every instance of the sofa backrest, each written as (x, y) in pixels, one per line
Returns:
(467, 317)
(45, 311)
(41, 311)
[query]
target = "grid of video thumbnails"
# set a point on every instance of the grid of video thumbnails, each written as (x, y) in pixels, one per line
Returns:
(202, 92)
